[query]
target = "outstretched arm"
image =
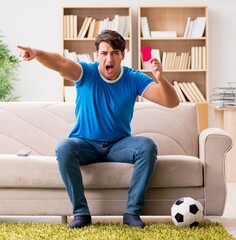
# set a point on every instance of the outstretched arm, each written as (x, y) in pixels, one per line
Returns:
(67, 68)
(162, 92)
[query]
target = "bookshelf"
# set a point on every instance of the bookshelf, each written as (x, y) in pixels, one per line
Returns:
(165, 32)
(82, 44)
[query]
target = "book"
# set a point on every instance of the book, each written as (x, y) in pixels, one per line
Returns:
(181, 63)
(96, 28)
(193, 57)
(85, 27)
(82, 27)
(127, 60)
(192, 96)
(185, 91)
(65, 53)
(202, 98)
(188, 91)
(155, 53)
(199, 57)
(186, 60)
(172, 59)
(190, 27)
(145, 31)
(177, 61)
(146, 56)
(227, 105)
(115, 23)
(127, 27)
(204, 58)
(199, 27)
(122, 23)
(223, 97)
(225, 89)
(75, 33)
(70, 55)
(196, 57)
(71, 23)
(68, 26)
(163, 60)
(186, 27)
(64, 26)
(84, 58)
(181, 95)
(167, 60)
(91, 28)
(177, 93)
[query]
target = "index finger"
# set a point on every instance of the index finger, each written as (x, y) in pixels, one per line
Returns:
(23, 48)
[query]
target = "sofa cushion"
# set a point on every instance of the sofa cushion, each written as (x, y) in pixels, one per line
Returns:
(42, 172)
(177, 171)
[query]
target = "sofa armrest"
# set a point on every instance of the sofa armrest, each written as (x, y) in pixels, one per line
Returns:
(214, 143)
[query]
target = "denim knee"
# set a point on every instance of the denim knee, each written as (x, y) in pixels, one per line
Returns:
(64, 149)
(148, 146)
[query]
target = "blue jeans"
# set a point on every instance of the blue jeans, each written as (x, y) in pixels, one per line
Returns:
(138, 150)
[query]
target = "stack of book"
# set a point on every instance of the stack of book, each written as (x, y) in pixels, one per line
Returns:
(188, 92)
(174, 61)
(91, 27)
(195, 28)
(195, 60)
(77, 57)
(224, 96)
(70, 26)
(198, 58)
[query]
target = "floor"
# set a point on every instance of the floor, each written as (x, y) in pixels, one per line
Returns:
(228, 219)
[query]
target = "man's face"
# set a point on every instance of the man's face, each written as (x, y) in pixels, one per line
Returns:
(109, 61)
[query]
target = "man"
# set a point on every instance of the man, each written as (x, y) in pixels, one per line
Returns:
(106, 94)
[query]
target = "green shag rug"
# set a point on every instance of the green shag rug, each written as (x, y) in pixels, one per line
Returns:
(105, 231)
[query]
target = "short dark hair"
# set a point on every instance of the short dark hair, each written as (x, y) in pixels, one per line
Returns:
(113, 38)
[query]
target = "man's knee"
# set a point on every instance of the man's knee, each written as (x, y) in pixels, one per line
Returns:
(63, 145)
(148, 145)
(65, 150)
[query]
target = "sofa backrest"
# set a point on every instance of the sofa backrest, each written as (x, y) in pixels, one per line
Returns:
(175, 130)
(39, 126)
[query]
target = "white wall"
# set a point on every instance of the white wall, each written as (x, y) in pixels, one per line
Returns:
(38, 24)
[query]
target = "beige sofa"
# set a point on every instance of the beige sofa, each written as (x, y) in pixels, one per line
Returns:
(189, 163)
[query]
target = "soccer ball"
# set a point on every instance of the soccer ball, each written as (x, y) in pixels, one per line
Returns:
(187, 212)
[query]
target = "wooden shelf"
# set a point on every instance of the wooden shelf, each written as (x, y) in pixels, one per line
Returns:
(174, 18)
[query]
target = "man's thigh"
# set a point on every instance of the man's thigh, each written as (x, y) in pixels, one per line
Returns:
(83, 150)
(126, 149)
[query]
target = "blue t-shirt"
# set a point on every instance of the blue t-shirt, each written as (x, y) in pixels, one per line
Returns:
(104, 108)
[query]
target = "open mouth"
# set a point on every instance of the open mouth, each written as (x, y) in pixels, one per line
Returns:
(109, 68)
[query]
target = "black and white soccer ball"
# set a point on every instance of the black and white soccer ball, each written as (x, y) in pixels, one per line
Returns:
(187, 212)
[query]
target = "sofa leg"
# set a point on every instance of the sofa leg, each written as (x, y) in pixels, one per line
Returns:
(64, 219)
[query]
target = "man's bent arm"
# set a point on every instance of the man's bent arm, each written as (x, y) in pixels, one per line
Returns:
(161, 92)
